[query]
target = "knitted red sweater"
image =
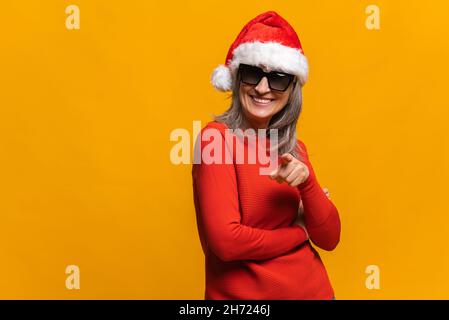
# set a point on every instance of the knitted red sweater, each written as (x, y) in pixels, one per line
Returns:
(245, 223)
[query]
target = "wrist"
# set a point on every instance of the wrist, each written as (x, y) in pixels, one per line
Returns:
(306, 183)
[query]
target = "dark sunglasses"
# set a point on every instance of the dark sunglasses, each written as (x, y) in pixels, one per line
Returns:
(252, 75)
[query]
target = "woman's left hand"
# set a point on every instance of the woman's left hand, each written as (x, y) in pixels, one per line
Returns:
(291, 170)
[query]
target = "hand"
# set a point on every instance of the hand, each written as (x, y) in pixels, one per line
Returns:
(291, 170)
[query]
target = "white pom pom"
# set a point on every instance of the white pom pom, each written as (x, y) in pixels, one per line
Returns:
(221, 78)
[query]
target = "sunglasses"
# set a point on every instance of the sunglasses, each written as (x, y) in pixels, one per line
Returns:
(252, 75)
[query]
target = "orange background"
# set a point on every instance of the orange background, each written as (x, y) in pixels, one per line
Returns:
(86, 116)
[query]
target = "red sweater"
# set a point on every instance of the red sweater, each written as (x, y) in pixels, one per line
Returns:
(245, 223)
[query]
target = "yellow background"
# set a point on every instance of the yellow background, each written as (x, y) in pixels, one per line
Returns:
(85, 119)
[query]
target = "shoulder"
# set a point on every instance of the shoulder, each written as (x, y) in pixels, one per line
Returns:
(211, 132)
(215, 125)
(211, 146)
(301, 144)
(302, 149)
(213, 129)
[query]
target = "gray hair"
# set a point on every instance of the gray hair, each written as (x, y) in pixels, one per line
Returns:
(284, 120)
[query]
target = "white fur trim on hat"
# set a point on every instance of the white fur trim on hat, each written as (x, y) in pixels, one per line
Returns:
(273, 55)
(221, 78)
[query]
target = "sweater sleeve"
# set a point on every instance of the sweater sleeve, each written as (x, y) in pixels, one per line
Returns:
(320, 214)
(217, 205)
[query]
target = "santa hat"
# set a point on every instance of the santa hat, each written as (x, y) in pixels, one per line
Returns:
(267, 40)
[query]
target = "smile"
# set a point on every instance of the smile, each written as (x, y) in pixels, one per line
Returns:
(261, 101)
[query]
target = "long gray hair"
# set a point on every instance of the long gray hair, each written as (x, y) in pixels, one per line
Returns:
(284, 121)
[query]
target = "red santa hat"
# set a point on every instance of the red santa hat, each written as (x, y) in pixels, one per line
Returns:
(267, 40)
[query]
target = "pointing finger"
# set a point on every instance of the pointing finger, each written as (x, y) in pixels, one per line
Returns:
(286, 158)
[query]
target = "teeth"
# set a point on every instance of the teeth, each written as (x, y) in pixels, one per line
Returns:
(261, 100)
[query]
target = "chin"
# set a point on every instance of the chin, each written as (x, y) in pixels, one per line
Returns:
(260, 115)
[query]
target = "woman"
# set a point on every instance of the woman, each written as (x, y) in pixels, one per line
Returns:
(255, 230)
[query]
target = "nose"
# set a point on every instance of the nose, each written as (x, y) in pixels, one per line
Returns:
(262, 87)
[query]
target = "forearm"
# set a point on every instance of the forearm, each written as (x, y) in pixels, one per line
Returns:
(229, 239)
(321, 217)
(240, 242)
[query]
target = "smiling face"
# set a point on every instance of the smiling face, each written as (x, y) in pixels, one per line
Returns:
(260, 103)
